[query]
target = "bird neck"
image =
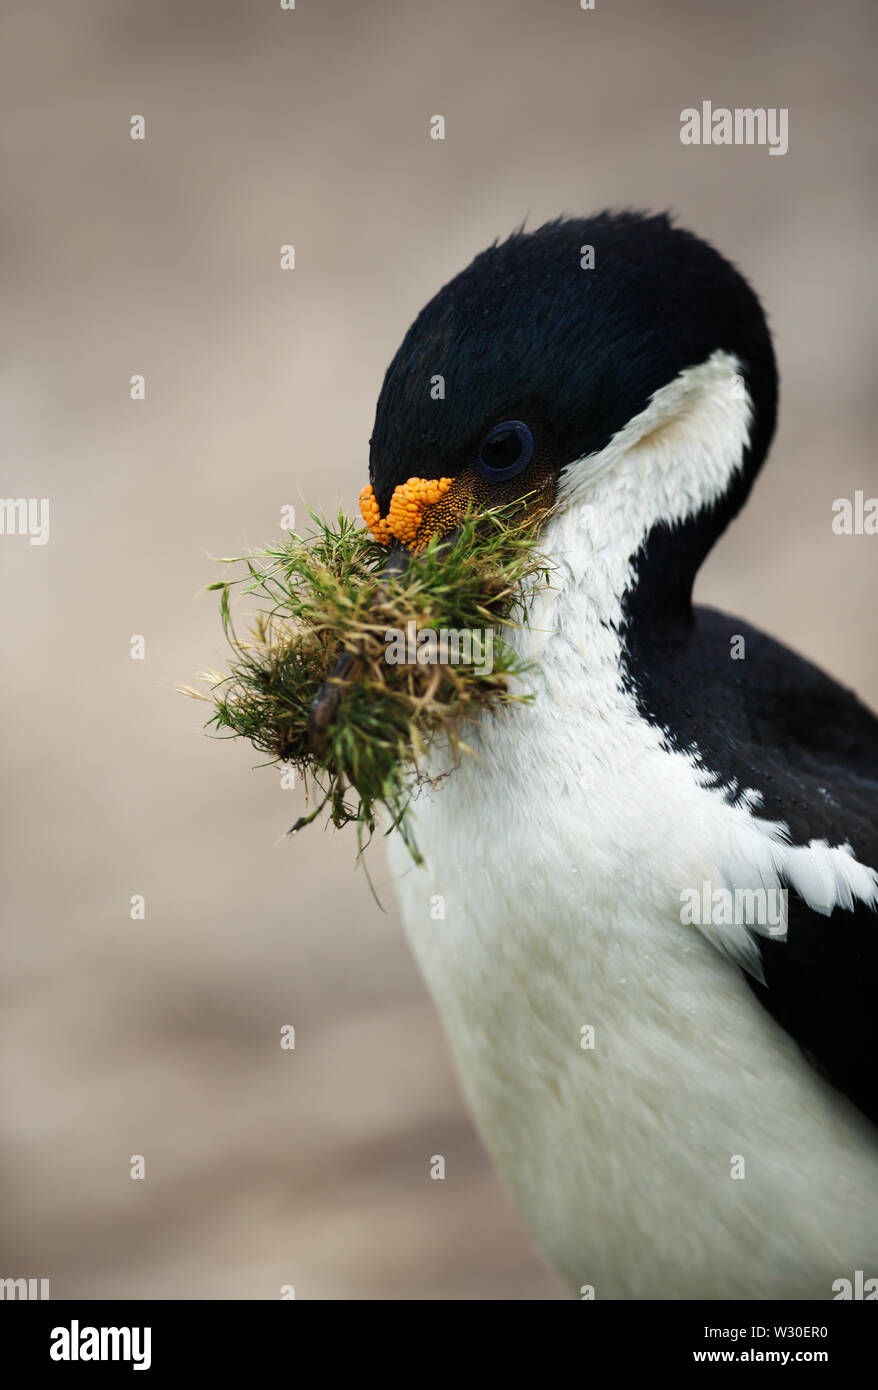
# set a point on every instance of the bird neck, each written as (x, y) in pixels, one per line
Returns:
(635, 520)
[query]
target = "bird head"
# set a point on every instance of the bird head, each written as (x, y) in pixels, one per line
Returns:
(552, 355)
(616, 363)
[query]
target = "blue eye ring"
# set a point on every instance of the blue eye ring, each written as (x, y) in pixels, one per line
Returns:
(517, 465)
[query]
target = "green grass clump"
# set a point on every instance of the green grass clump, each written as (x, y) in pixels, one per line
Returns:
(322, 595)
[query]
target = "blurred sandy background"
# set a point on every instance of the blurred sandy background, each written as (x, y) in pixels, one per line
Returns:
(266, 127)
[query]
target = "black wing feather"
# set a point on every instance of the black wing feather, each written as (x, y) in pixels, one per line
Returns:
(776, 723)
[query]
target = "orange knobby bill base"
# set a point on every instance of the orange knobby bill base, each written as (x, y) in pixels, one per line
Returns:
(405, 515)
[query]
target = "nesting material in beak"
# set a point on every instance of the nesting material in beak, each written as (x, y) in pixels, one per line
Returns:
(335, 601)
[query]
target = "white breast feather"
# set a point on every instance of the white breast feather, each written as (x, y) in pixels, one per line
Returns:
(558, 855)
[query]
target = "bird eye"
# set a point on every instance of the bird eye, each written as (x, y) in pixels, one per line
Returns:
(505, 451)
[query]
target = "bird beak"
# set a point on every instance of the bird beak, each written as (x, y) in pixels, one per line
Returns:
(401, 559)
(398, 560)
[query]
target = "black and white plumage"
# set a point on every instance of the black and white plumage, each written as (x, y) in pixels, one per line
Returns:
(650, 763)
